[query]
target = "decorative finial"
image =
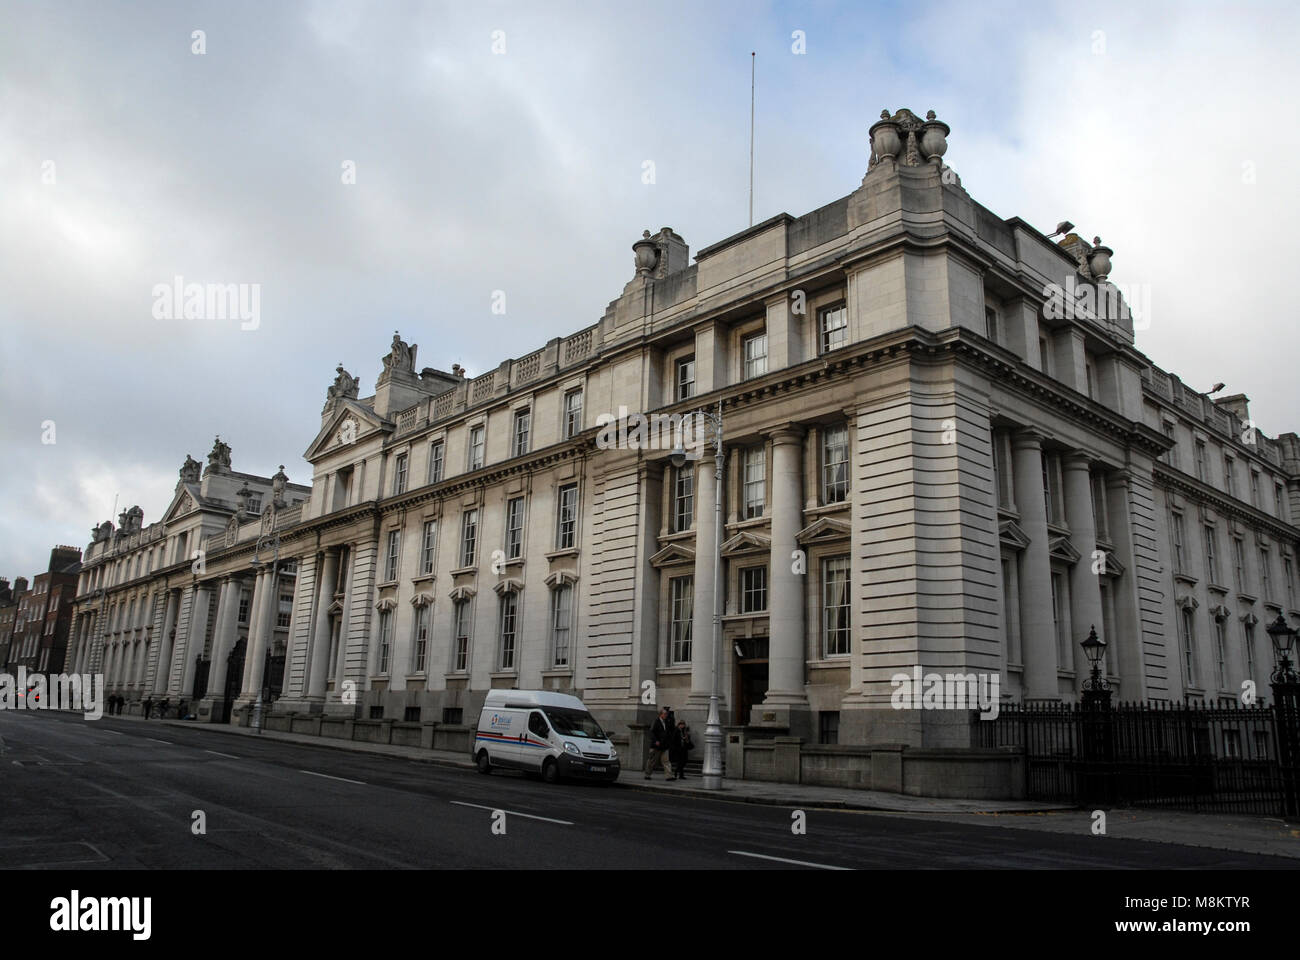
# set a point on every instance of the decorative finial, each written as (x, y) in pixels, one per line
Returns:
(929, 114)
(645, 234)
(1096, 241)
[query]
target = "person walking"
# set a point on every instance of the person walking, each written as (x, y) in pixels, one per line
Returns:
(681, 749)
(661, 733)
(148, 707)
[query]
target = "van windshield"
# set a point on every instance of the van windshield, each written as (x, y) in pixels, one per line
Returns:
(574, 723)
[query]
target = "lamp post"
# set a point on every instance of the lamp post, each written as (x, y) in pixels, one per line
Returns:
(1286, 710)
(713, 725)
(1096, 689)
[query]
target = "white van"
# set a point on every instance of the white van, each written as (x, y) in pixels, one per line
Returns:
(540, 731)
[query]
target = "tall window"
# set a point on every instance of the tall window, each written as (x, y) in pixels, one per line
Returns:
(1188, 636)
(1211, 555)
(1176, 531)
(509, 626)
(243, 606)
(421, 645)
(1200, 460)
(685, 386)
(1172, 456)
(835, 607)
(566, 521)
(523, 426)
(991, 324)
(515, 528)
(755, 355)
(1254, 487)
(755, 481)
(285, 613)
(399, 474)
(391, 555)
(1277, 501)
(835, 464)
(1239, 563)
(1221, 653)
(476, 447)
(435, 461)
(1229, 477)
(1266, 590)
(753, 589)
(1002, 470)
(684, 498)
(385, 639)
(681, 596)
(460, 631)
(468, 537)
(428, 541)
(572, 413)
(561, 621)
(1288, 575)
(1058, 621)
(1051, 488)
(1099, 514)
(1250, 650)
(833, 328)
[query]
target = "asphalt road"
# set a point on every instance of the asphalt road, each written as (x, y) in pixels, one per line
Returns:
(120, 794)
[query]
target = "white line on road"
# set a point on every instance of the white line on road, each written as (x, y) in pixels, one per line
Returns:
(116, 733)
(312, 773)
(217, 753)
(799, 863)
(530, 816)
(166, 742)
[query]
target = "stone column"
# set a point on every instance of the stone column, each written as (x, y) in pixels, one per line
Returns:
(1085, 588)
(223, 642)
(1038, 639)
(255, 602)
(194, 639)
(702, 586)
(264, 598)
(785, 597)
(318, 668)
(165, 644)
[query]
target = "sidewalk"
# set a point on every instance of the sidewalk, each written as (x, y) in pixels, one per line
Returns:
(1240, 833)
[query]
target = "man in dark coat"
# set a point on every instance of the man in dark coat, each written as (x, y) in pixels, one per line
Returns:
(661, 734)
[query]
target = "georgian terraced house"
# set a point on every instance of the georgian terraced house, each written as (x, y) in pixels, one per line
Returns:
(928, 463)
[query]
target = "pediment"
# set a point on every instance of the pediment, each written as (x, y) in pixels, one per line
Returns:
(1060, 548)
(825, 528)
(350, 423)
(187, 500)
(1113, 567)
(423, 599)
(508, 585)
(462, 593)
(672, 554)
(388, 603)
(335, 608)
(558, 578)
(1010, 534)
(746, 542)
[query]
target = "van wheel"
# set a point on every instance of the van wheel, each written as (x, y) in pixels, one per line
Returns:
(483, 763)
(551, 771)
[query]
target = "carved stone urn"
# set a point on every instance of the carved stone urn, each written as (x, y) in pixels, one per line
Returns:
(1099, 259)
(647, 254)
(885, 142)
(934, 138)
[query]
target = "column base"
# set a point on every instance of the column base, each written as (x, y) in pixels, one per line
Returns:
(210, 709)
(794, 720)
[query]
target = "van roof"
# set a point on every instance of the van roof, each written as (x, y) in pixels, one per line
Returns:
(532, 698)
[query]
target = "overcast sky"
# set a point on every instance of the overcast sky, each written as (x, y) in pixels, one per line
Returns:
(126, 159)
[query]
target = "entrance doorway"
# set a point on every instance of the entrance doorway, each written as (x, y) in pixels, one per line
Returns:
(750, 684)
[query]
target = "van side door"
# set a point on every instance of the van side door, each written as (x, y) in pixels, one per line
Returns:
(537, 744)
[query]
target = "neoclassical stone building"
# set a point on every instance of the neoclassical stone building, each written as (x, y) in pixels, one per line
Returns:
(933, 460)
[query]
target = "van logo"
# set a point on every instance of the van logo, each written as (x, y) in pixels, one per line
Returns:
(499, 721)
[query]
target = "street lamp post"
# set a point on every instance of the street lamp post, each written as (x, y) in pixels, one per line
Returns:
(1096, 689)
(713, 725)
(1286, 709)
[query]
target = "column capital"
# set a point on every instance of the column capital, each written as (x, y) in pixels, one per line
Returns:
(787, 433)
(1076, 460)
(1026, 438)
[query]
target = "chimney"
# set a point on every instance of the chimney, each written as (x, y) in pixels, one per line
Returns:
(1235, 405)
(20, 585)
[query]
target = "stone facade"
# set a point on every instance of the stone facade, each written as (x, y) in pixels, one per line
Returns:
(932, 460)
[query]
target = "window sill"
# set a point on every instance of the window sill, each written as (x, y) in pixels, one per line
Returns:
(842, 505)
(504, 675)
(515, 562)
(1246, 598)
(558, 672)
(1211, 585)
(1186, 578)
(675, 669)
(464, 571)
(386, 584)
(837, 662)
(424, 578)
(557, 554)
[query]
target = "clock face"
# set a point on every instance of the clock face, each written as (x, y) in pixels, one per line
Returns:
(347, 431)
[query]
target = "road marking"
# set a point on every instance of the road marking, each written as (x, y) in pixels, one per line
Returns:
(165, 742)
(800, 863)
(530, 816)
(116, 733)
(312, 773)
(217, 753)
